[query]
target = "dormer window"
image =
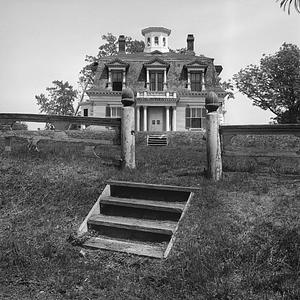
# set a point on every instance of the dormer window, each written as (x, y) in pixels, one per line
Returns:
(195, 76)
(156, 74)
(156, 41)
(116, 74)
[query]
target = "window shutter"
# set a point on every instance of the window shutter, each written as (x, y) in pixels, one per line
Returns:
(107, 113)
(187, 118)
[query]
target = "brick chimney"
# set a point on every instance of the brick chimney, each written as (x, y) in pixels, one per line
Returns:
(121, 42)
(190, 42)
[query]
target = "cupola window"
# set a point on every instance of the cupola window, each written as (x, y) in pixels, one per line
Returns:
(148, 42)
(156, 41)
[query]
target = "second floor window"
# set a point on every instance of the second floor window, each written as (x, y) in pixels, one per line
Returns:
(156, 80)
(117, 80)
(196, 81)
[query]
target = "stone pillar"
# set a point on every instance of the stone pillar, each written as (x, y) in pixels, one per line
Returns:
(145, 118)
(128, 130)
(137, 118)
(213, 145)
(165, 79)
(174, 119)
(167, 118)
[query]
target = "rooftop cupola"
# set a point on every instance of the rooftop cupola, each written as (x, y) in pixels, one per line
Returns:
(156, 39)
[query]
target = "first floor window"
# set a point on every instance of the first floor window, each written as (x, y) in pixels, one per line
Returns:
(113, 111)
(117, 80)
(195, 117)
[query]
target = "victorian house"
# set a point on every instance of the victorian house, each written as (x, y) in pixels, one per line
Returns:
(169, 87)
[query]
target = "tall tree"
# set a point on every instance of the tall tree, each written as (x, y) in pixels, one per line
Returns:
(288, 3)
(59, 99)
(274, 84)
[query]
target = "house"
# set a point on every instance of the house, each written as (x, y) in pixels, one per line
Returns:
(169, 87)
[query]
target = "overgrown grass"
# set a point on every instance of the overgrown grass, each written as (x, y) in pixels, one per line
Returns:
(240, 238)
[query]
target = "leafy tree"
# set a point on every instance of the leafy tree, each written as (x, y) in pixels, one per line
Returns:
(274, 84)
(288, 3)
(59, 100)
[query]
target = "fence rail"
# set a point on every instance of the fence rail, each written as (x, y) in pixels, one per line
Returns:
(229, 131)
(39, 118)
(34, 139)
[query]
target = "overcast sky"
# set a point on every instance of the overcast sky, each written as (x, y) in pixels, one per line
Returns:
(43, 40)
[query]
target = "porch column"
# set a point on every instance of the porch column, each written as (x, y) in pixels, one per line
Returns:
(167, 118)
(137, 118)
(145, 118)
(148, 79)
(109, 80)
(174, 119)
(202, 82)
(189, 81)
(124, 80)
(165, 79)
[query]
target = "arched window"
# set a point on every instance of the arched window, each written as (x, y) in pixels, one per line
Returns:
(164, 42)
(148, 42)
(156, 41)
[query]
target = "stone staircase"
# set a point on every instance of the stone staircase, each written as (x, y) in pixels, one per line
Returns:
(136, 218)
(157, 140)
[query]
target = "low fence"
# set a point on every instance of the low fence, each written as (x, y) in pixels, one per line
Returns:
(37, 139)
(261, 148)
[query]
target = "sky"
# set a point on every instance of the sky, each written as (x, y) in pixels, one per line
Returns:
(42, 40)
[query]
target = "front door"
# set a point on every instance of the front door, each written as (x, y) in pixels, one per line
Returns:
(155, 119)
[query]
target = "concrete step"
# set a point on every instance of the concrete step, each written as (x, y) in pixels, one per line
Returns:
(156, 192)
(138, 248)
(176, 207)
(152, 226)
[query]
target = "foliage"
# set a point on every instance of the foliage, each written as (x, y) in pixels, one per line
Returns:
(274, 84)
(228, 87)
(287, 4)
(59, 100)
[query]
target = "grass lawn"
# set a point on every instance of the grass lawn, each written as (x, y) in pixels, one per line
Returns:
(240, 238)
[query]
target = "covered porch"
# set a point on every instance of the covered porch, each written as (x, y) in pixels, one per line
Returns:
(156, 111)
